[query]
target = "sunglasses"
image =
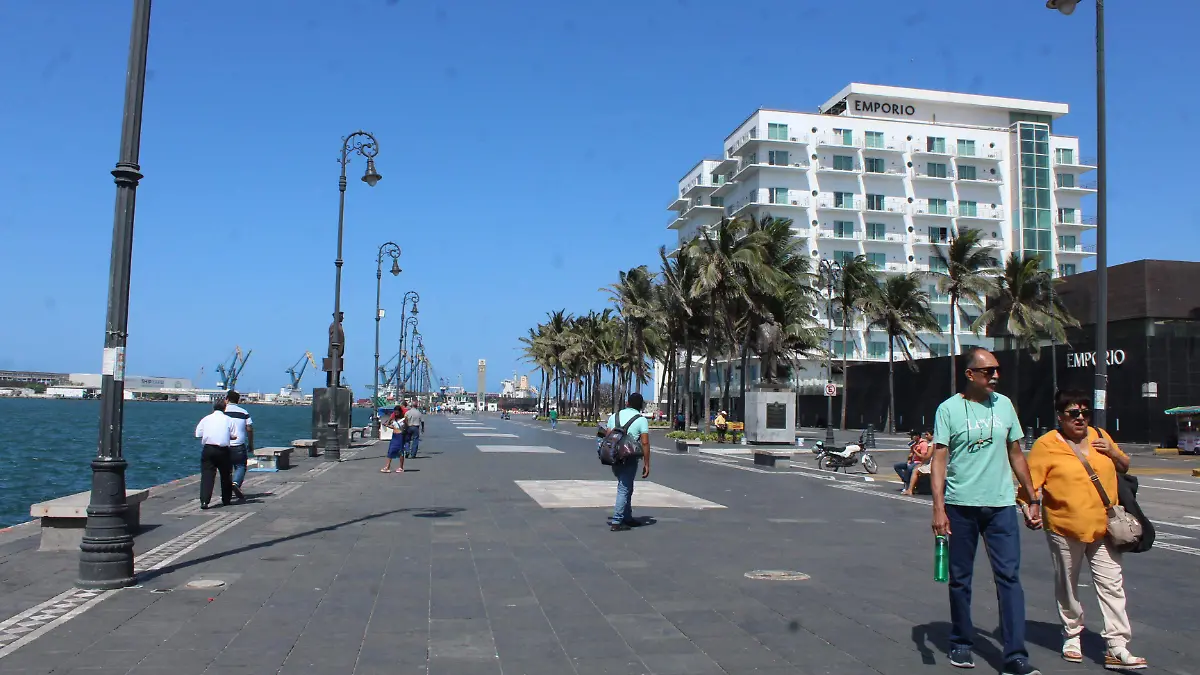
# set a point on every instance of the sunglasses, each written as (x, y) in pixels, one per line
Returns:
(988, 372)
(1076, 413)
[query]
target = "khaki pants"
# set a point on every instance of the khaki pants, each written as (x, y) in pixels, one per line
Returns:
(1104, 561)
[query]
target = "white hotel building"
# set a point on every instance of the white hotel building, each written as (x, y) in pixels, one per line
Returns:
(891, 173)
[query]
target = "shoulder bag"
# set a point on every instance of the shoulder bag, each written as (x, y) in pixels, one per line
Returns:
(1124, 530)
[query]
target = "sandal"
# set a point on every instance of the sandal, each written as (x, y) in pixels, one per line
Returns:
(1121, 659)
(385, 471)
(1070, 650)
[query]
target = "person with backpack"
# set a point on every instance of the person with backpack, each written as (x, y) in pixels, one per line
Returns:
(625, 439)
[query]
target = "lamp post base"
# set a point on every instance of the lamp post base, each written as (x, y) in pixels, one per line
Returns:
(106, 552)
(829, 440)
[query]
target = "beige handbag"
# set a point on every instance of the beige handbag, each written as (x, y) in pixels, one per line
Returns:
(1123, 529)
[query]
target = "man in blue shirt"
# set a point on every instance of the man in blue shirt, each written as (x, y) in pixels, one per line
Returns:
(976, 451)
(626, 471)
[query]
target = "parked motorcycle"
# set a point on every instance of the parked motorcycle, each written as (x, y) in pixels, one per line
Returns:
(844, 458)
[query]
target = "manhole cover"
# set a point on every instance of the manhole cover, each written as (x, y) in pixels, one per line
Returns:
(205, 583)
(776, 575)
(161, 590)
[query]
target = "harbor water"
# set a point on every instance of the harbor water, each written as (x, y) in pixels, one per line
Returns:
(46, 446)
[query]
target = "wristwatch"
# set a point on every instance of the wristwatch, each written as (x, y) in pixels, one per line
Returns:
(1034, 502)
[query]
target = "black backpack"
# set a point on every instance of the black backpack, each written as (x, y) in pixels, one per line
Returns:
(617, 447)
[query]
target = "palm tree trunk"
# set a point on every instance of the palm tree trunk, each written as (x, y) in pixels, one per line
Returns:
(845, 370)
(705, 389)
(953, 344)
(688, 415)
(741, 412)
(891, 416)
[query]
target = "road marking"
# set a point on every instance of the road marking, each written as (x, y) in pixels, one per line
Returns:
(538, 449)
(1185, 482)
(1170, 535)
(903, 498)
(491, 435)
(577, 494)
(1167, 523)
(1156, 487)
(1177, 548)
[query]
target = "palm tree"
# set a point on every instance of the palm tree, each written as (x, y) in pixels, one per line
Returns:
(901, 309)
(633, 295)
(970, 274)
(1026, 309)
(856, 288)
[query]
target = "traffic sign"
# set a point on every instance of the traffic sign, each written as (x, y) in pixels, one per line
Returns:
(830, 389)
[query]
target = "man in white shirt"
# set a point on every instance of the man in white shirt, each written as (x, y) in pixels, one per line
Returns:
(239, 449)
(216, 431)
(412, 430)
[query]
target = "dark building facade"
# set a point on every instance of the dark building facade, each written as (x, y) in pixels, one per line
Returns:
(1154, 360)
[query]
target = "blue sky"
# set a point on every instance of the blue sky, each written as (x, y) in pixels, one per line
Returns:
(529, 150)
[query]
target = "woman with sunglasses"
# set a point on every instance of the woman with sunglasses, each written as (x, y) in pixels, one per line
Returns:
(1076, 524)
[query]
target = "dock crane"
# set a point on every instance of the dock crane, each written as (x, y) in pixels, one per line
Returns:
(303, 362)
(229, 373)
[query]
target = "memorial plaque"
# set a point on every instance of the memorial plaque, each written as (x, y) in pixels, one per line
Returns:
(776, 416)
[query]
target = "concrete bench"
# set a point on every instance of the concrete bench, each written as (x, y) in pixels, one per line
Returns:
(923, 486)
(271, 459)
(687, 445)
(771, 457)
(359, 432)
(63, 519)
(309, 444)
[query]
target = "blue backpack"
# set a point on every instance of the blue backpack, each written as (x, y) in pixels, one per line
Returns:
(617, 447)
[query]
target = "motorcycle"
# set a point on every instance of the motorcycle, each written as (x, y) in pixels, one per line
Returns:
(851, 455)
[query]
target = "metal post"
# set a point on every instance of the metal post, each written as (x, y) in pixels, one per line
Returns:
(393, 250)
(1100, 402)
(106, 552)
(830, 269)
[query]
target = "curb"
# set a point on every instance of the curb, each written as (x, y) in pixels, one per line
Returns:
(1166, 451)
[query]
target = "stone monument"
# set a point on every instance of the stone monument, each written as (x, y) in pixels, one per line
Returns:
(771, 402)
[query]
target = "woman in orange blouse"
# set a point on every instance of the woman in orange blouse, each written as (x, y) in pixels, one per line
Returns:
(1077, 524)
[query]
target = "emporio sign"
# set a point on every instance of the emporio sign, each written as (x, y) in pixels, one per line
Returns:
(1085, 359)
(885, 107)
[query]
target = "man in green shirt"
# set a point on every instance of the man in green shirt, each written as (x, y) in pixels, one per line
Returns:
(554, 418)
(976, 451)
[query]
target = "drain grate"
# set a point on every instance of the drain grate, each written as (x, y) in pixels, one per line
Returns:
(776, 575)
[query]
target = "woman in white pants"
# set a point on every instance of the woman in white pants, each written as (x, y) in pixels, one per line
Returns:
(1077, 524)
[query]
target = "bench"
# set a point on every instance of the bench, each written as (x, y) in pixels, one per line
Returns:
(774, 458)
(687, 445)
(63, 519)
(271, 459)
(923, 486)
(361, 432)
(309, 444)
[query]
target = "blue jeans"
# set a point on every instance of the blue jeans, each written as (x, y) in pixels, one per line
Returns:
(237, 453)
(625, 473)
(904, 470)
(412, 437)
(1000, 528)
(553, 423)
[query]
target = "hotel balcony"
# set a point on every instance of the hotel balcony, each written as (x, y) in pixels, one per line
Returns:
(725, 167)
(724, 189)
(701, 184)
(886, 145)
(1076, 164)
(984, 153)
(922, 207)
(888, 172)
(919, 147)
(1077, 249)
(1079, 188)
(1075, 220)
(893, 205)
(923, 173)
(749, 141)
(827, 200)
(980, 213)
(748, 169)
(762, 197)
(830, 140)
(828, 167)
(981, 177)
(900, 238)
(679, 204)
(856, 235)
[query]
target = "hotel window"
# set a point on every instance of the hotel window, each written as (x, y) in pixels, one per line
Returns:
(779, 195)
(966, 148)
(876, 231)
(1064, 156)
(843, 200)
(939, 349)
(879, 260)
(752, 158)
(716, 201)
(943, 320)
(1066, 269)
(843, 162)
(938, 265)
(968, 209)
(966, 172)
(936, 169)
(874, 165)
(844, 258)
(1066, 215)
(934, 144)
(1066, 241)
(843, 229)
(876, 350)
(1066, 180)
(938, 207)
(777, 157)
(777, 132)
(843, 349)
(718, 179)
(937, 296)
(844, 136)
(874, 139)
(939, 235)
(875, 202)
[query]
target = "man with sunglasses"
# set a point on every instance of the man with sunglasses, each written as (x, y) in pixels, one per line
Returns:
(976, 451)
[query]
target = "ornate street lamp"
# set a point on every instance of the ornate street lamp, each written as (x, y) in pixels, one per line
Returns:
(393, 250)
(831, 270)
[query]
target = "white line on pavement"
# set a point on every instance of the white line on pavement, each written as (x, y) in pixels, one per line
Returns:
(1184, 482)
(1156, 487)
(1167, 523)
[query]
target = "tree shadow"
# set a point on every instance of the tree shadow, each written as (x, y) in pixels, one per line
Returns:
(417, 512)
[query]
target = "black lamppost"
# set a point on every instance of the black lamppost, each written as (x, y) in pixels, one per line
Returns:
(414, 297)
(1100, 403)
(393, 250)
(410, 321)
(830, 270)
(364, 144)
(106, 552)
(407, 350)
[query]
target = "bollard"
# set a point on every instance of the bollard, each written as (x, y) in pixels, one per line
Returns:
(870, 438)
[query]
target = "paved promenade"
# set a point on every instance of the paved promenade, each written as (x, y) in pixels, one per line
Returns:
(491, 555)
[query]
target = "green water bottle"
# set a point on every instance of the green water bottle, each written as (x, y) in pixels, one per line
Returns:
(941, 560)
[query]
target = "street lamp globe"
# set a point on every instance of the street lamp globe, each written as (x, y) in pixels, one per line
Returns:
(415, 311)
(371, 177)
(395, 267)
(1064, 6)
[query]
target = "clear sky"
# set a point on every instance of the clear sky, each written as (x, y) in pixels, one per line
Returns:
(529, 150)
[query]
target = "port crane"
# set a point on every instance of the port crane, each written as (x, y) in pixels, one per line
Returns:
(303, 362)
(229, 373)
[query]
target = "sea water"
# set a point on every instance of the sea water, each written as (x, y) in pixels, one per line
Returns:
(46, 446)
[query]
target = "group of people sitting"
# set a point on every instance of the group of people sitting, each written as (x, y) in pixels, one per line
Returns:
(920, 450)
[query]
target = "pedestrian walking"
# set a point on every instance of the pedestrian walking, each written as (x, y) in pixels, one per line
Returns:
(626, 471)
(239, 449)
(216, 432)
(395, 450)
(413, 422)
(976, 451)
(1075, 469)
(554, 418)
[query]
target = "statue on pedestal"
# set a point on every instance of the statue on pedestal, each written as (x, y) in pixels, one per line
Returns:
(768, 344)
(337, 347)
